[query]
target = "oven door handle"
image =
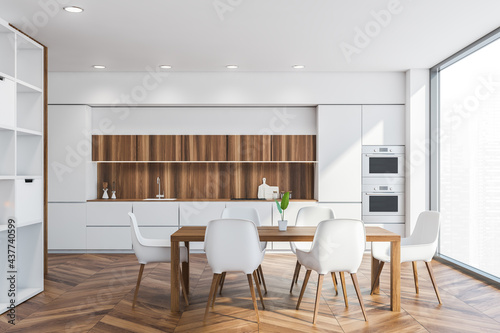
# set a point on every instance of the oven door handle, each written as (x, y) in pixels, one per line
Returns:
(385, 154)
(384, 194)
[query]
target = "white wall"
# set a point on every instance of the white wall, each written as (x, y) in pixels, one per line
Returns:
(417, 150)
(204, 120)
(237, 88)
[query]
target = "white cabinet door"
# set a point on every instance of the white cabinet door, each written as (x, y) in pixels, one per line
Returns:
(291, 216)
(263, 208)
(158, 232)
(108, 213)
(345, 210)
(384, 125)
(69, 152)
(198, 213)
(339, 153)
(7, 102)
(156, 213)
(109, 238)
(29, 200)
(67, 226)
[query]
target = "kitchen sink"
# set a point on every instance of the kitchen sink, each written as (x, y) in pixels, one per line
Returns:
(162, 199)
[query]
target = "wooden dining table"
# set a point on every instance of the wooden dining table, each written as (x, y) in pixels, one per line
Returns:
(292, 234)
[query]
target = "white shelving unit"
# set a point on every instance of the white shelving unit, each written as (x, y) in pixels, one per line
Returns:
(21, 161)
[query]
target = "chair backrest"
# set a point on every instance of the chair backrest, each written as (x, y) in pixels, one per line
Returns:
(338, 245)
(426, 229)
(232, 245)
(144, 253)
(243, 213)
(313, 215)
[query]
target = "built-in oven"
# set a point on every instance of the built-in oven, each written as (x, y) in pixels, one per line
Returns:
(383, 161)
(383, 200)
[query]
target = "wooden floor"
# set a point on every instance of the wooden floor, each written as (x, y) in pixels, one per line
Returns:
(94, 292)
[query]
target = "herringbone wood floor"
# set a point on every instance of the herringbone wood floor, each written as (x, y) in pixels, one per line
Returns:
(94, 292)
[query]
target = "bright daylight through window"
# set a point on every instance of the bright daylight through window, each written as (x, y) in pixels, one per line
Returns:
(469, 159)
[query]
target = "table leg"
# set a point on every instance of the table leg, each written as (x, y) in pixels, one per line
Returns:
(174, 278)
(185, 269)
(375, 265)
(396, 275)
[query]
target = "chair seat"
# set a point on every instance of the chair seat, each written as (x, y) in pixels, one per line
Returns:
(263, 246)
(304, 246)
(160, 253)
(409, 252)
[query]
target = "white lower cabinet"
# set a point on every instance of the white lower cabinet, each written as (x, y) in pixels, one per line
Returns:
(108, 213)
(109, 238)
(265, 210)
(198, 213)
(29, 201)
(67, 226)
(156, 213)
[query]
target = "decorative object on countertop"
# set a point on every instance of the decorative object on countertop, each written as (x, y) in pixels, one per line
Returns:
(159, 195)
(105, 189)
(282, 224)
(283, 193)
(261, 193)
(113, 190)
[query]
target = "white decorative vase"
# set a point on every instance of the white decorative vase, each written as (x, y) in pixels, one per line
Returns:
(282, 224)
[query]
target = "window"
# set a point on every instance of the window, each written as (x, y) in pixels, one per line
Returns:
(466, 189)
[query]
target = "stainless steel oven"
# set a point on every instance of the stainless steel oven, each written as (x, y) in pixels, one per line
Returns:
(383, 199)
(383, 161)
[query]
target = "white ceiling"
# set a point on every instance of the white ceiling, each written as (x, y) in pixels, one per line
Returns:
(257, 35)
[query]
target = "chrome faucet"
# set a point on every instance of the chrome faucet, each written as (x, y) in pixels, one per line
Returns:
(159, 195)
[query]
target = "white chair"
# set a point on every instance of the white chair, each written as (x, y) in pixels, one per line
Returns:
(149, 250)
(233, 246)
(251, 214)
(421, 245)
(338, 246)
(309, 216)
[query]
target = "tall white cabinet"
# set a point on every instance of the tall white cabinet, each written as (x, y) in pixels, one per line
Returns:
(21, 164)
(70, 176)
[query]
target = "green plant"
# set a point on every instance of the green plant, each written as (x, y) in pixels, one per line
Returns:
(283, 205)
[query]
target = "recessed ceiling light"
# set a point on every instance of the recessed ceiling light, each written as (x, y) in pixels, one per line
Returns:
(73, 9)
(165, 66)
(99, 66)
(298, 66)
(231, 66)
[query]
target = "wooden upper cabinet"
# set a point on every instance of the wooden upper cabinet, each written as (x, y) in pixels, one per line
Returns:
(249, 148)
(294, 148)
(113, 147)
(204, 147)
(159, 147)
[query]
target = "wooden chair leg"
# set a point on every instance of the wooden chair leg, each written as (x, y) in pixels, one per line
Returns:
(334, 279)
(342, 281)
(211, 293)
(358, 292)
(217, 283)
(259, 270)
(380, 266)
(431, 274)
(183, 285)
(138, 284)
(295, 274)
(304, 285)
(318, 296)
(415, 275)
(255, 277)
(223, 278)
(254, 299)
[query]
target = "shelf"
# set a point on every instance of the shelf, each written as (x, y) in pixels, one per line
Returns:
(7, 196)
(29, 62)
(7, 152)
(29, 154)
(7, 102)
(25, 131)
(7, 52)
(29, 109)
